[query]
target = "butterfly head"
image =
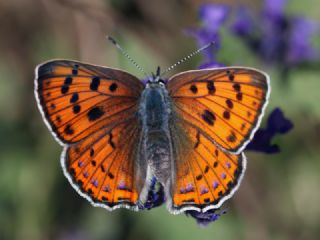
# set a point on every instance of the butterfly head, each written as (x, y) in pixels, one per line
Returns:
(156, 80)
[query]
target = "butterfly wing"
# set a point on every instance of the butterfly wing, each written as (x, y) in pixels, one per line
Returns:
(205, 175)
(215, 114)
(91, 111)
(225, 104)
(102, 168)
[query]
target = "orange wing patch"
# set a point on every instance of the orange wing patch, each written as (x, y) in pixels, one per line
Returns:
(78, 99)
(102, 166)
(205, 175)
(224, 104)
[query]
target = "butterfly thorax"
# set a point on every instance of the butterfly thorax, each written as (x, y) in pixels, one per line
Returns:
(154, 114)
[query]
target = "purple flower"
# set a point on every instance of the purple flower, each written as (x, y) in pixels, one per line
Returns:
(212, 17)
(156, 195)
(300, 44)
(274, 32)
(275, 8)
(204, 36)
(277, 124)
(211, 64)
(244, 26)
(276, 37)
(203, 219)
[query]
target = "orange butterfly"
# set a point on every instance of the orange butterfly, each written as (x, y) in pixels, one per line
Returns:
(118, 133)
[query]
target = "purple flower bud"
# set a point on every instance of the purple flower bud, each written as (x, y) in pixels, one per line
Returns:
(203, 219)
(155, 196)
(275, 8)
(213, 16)
(243, 25)
(212, 64)
(300, 42)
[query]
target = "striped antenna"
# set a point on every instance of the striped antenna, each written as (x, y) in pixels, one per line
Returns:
(187, 57)
(113, 41)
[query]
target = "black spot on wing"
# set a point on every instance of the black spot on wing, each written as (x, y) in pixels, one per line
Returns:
(208, 117)
(95, 113)
(91, 152)
(211, 88)
(113, 87)
(239, 96)
(95, 83)
(229, 103)
(110, 175)
(68, 80)
(58, 118)
(74, 98)
(76, 109)
(199, 177)
(68, 130)
(237, 87)
(226, 115)
(193, 89)
(112, 144)
(64, 88)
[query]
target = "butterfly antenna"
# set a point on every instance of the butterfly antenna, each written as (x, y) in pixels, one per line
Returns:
(114, 42)
(187, 57)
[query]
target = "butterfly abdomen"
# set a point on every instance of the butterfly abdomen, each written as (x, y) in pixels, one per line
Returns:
(157, 152)
(155, 113)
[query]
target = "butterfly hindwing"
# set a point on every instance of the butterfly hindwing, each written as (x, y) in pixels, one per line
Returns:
(77, 99)
(205, 176)
(102, 166)
(225, 104)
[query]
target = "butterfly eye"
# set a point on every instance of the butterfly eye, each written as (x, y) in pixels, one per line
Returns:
(163, 82)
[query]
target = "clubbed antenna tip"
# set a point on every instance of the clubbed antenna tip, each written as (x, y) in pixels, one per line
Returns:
(112, 40)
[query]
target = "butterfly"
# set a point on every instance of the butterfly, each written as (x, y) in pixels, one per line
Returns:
(117, 133)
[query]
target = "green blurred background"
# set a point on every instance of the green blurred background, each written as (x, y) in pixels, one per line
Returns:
(279, 197)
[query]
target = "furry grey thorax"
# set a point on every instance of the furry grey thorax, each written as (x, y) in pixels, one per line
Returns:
(154, 114)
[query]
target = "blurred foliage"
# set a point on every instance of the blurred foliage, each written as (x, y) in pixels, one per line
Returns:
(278, 198)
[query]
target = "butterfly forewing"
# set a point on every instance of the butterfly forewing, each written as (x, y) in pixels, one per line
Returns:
(224, 104)
(77, 99)
(91, 110)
